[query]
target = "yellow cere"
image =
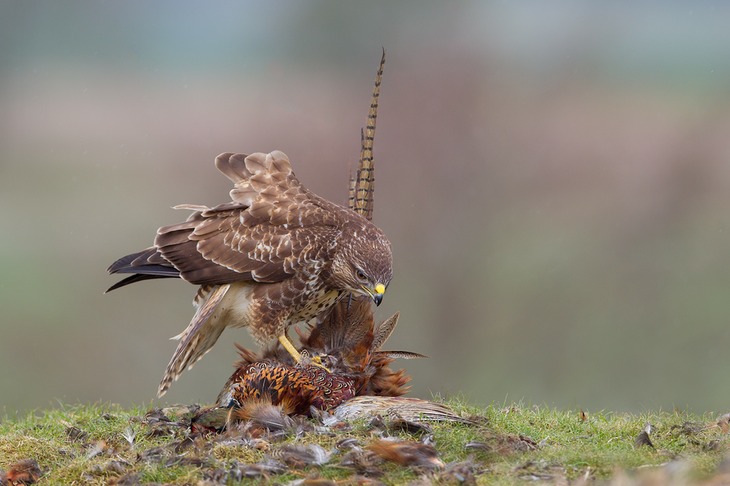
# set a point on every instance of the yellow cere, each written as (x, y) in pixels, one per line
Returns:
(380, 289)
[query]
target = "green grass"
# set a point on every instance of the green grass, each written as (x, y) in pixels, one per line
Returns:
(86, 444)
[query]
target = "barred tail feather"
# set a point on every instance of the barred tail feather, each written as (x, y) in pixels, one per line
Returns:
(364, 186)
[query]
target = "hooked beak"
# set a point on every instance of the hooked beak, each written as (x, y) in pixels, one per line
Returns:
(377, 294)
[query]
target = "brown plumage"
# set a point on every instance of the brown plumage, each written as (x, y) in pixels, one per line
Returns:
(355, 366)
(351, 342)
(345, 336)
(26, 471)
(275, 255)
(408, 453)
(295, 387)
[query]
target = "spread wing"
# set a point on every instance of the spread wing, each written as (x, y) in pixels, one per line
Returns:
(272, 227)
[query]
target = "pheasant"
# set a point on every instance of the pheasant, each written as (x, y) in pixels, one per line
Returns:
(355, 366)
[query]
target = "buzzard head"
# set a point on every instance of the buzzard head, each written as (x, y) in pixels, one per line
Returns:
(363, 261)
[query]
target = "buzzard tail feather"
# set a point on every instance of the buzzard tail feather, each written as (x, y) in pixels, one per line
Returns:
(196, 340)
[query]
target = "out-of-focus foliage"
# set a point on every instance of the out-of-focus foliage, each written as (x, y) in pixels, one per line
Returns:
(554, 179)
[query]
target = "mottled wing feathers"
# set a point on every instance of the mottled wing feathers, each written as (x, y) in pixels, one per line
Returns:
(266, 187)
(173, 243)
(273, 227)
(257, 173)
(223, 246)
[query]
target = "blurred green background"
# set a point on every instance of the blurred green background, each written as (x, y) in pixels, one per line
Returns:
(554, 177)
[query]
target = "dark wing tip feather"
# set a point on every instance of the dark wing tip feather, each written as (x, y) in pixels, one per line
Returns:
(122, 263)
(136, 278)
(146, 264)
(148, 261)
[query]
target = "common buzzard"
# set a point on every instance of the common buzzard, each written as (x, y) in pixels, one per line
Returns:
(275, 255)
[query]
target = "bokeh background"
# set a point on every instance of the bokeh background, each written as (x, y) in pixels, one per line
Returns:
(554, 177)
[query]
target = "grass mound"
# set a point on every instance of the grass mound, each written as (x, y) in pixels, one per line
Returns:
(102, 444)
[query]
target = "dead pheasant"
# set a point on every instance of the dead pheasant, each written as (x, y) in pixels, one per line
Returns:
(348, 344)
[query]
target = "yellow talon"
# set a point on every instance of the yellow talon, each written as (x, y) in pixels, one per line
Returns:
(316, 360)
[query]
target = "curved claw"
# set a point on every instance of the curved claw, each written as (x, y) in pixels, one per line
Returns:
(314, 360)
(317, 361)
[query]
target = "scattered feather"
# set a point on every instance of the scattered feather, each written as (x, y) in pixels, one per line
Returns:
(211, 419)
(155, 454)
(155, 416)
(131, 479)
(263, 469)
(313, 481)
(181, 413)
(26, 471)
(689, 428)
(503, 444)
(464, 472)
(265, 414)
(75, 434)
(476, 445)
(301, 456)
(129, 435)
(364, 462)
(114, 467)
(643, 438)
(723, 422)
(408, 426)
(348, 443)
(97, 448)
(406, 453)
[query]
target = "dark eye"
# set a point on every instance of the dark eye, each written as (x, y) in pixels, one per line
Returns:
(361, 275)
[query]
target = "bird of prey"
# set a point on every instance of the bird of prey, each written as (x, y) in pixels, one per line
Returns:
(275, 255)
